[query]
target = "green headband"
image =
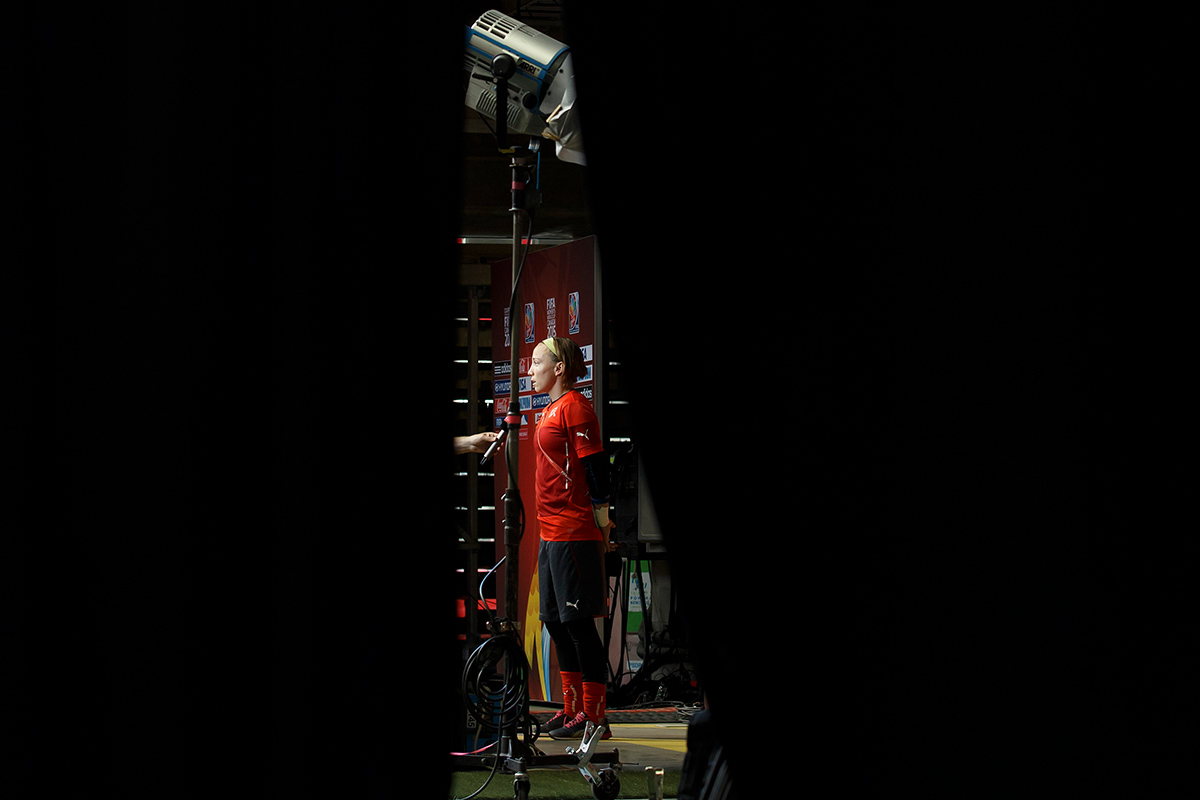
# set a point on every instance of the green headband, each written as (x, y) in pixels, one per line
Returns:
(552, 346)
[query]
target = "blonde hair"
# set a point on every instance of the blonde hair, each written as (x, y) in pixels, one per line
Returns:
(565, 350)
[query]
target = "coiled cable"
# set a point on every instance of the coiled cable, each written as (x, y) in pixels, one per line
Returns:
(495, 680)
(495, 683)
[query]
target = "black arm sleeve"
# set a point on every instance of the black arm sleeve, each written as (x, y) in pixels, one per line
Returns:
(596, 466)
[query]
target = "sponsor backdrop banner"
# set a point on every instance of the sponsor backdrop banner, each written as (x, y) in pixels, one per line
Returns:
(557, 298)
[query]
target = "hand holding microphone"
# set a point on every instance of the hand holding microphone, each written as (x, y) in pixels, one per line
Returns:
(512, 421)
(475, 443)
(497, 440)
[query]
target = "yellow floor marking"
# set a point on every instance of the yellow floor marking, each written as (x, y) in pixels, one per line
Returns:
(673, 745)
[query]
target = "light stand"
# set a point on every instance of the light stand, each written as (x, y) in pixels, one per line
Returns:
(510, 753)
(503, 68)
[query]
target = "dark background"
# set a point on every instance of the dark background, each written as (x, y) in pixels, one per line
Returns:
(221, 567)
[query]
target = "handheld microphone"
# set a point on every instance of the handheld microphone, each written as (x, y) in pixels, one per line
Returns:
(512, 421)
(493, 447)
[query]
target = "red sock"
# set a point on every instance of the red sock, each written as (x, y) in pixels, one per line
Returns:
(572, 683)
(595, 701)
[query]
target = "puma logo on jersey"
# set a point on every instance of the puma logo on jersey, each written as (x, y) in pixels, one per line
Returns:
(574, 605)
(583, 434)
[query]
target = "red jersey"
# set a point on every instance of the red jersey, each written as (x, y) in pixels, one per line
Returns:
(567, 432)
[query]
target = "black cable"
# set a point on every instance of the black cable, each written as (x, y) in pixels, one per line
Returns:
(649, 662)
(520, 268)
(487, 782)
(491, 617)
(620, 671)
(496, 700)
(494, 709)
(613, 672)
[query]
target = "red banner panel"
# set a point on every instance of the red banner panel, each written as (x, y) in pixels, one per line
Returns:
(557, 297)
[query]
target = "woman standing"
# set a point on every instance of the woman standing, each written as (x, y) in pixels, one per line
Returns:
(571, 491)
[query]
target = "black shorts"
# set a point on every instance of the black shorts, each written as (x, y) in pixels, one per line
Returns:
(571, 582)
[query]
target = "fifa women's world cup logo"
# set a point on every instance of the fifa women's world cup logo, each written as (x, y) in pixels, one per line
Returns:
(528, 323)
(573, 312)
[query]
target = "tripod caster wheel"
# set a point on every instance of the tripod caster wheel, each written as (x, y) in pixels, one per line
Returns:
(521, 789)
(609, 785)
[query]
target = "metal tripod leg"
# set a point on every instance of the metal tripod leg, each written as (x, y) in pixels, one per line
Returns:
(605, 783)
